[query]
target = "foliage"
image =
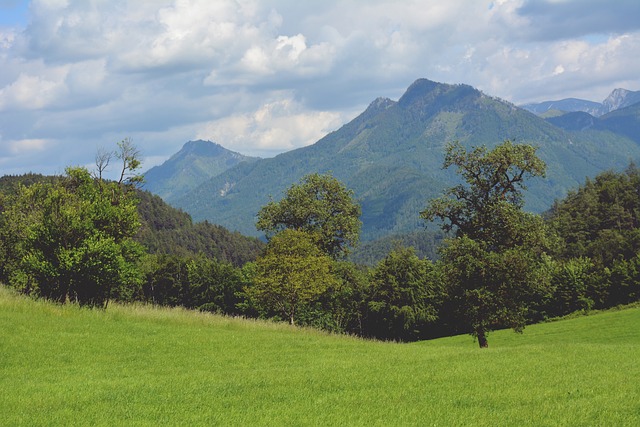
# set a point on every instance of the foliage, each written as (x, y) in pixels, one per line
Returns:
(341, 307)
(424, 242)
(73, 239)
(493, 191)
(321, 207)
(292, 272)
(574, 284)
(403, 297)
(169, 231)
(600, 221)
(491, 289)
(195, 282)
(492, 266)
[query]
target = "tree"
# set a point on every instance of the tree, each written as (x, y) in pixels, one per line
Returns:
(492, 265)
(601, 219)
(319, 206)
(494, 183)
(74, 238)
(491, 289)
(292, 272)
(403, 297)
(600, 222)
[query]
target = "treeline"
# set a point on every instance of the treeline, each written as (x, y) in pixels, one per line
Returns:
(81, 238)
(163, 230)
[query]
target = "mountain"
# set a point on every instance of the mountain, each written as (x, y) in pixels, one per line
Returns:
(391, 157)
(574, 121)
(624, 121)
(194, 164)
(566, 105)
(619, 98)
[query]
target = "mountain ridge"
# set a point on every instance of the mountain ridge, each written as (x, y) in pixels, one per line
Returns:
(391, 157)
(617, 99)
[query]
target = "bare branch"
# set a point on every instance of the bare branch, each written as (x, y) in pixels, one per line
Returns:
(103, 158)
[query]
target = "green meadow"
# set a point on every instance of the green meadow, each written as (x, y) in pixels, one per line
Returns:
(138, 365)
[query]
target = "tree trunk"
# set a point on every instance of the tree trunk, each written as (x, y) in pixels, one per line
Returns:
(291, 320)
(482, 338)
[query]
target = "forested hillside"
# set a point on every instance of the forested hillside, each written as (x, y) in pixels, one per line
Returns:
(165, 230)
(625, 122)
(169, 231)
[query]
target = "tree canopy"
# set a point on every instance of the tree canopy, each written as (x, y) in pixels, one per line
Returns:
(491, 266)
(403, 296)
(292, 272)
(484, 207)
(320, 206)
(71, 237)
(74, 239)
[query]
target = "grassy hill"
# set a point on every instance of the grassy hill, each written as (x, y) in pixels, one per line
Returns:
(62, 365)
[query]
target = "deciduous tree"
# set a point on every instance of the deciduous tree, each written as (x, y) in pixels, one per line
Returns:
(74, 238)
(292, 272)
(491, 267)
(321, 207)
(404, 295)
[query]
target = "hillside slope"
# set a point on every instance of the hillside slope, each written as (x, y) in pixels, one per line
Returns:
(391, 156)
(194, 164)
(147, 366)
(165, 229)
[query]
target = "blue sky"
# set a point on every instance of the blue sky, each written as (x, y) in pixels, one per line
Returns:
(265, 76)
(14, 13)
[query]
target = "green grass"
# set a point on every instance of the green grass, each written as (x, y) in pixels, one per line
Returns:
(62, 365)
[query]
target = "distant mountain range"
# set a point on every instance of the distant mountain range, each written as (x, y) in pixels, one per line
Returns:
(391, 156)
(619, 98)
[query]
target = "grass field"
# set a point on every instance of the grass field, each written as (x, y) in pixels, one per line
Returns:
(62, 365)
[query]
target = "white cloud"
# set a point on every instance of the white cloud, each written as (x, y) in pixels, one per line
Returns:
(26, 146)
(266, 76)
(276, 126)
(32, 92)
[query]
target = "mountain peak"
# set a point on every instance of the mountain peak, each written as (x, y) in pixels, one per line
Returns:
(391, 157)
(203, 148)
(196, 162)
(419, 89)
(427, 97)
(381, 104)
(620, 98)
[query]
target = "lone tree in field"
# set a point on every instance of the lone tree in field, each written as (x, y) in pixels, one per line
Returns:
(492, 265)
(320, 206)
(292, 272)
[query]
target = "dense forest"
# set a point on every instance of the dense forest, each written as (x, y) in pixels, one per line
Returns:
(79, 238)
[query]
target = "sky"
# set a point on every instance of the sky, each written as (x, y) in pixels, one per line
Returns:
(261, 77)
